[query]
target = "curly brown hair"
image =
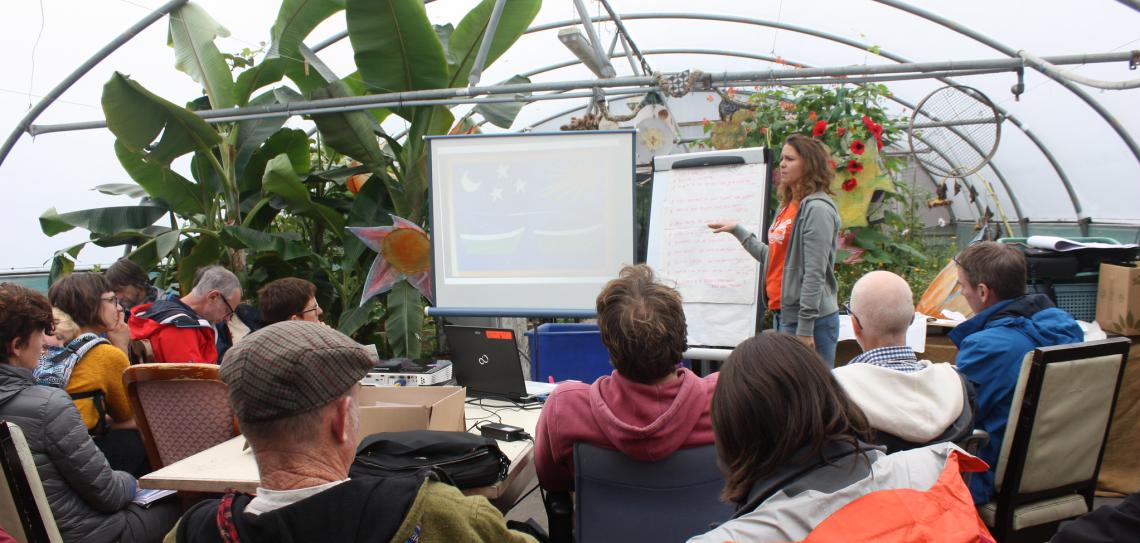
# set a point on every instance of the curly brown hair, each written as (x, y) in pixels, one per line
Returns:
(642, 325)
(775, 396)
(817, 174)
(23, 312)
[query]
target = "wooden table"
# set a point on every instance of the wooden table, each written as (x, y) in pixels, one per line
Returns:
(231, 464)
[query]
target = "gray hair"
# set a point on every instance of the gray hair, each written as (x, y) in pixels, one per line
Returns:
(883, 303)
(216, 278)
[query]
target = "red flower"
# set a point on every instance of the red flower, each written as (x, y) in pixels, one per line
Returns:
(868, 122)
(857, 147)
(877, 129)
(840, 130)
(763, 129)
(850, 184)
(831, 164)
(854, 166)
(812, 116)
(820, 128)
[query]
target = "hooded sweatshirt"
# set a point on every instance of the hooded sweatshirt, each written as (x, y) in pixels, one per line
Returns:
(176, 333)
(991, 346)
(644, 422)
(916, 406)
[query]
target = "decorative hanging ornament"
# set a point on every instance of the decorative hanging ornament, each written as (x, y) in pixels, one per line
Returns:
(404, 252)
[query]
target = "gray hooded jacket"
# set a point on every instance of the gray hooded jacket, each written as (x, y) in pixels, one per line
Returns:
(85, 495)
(809, 288)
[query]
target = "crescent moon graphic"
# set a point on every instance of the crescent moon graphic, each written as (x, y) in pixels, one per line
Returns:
(467, 184)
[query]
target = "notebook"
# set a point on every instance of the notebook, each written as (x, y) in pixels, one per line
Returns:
(486, 361)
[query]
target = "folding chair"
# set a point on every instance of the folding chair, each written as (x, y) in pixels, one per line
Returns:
(25, 514)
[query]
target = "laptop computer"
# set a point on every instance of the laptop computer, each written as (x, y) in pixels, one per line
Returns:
(486, 361)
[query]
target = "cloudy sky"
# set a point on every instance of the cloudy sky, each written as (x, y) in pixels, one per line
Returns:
(47, 39)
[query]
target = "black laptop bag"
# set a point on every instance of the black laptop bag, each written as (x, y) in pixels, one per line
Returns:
(468, 460)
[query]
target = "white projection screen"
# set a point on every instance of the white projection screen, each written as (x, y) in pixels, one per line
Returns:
(529, 224)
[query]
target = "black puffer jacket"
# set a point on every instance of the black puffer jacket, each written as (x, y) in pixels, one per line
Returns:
(85, 495)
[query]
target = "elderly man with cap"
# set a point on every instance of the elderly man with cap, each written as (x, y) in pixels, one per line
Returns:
(293, 386)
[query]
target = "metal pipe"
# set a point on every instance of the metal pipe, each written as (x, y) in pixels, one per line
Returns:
(963, 122)
(626, 38)
(82, 70)
(849, 42)
(485, 45)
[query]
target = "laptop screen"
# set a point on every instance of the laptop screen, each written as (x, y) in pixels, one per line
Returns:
(486, 360)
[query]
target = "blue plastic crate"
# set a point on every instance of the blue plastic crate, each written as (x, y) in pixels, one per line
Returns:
(568, 351)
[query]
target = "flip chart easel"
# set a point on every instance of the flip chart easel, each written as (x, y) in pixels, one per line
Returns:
(717, 278)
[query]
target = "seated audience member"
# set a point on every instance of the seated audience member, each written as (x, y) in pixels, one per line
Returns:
(95, 376)
(65, 331)
(293, 387)
(132, 285)
(1107, 524)
(90, 502)
(908, 402)
(648, 407)
(182, 330)
(791, 444)
(288, 299)
(1007, 324)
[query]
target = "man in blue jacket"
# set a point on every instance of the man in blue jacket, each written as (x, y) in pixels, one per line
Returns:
(1007, 324)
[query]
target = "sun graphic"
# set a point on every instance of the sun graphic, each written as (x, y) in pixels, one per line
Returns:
(404, 252)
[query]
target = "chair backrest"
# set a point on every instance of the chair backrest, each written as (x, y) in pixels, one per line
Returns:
(181, 409)
(621, 499)
(1058, 422)
(25, 514)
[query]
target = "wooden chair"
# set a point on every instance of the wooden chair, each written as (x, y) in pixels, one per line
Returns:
(181, 409)
(1055, 438)
(24, 513)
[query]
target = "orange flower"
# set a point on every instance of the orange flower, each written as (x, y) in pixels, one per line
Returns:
(812, 116)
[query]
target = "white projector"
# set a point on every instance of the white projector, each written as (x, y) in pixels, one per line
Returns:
(435, 373)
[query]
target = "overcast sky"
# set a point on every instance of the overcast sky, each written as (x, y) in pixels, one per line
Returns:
(45, 40)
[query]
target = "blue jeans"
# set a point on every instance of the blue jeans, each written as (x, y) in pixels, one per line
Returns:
(826, 334)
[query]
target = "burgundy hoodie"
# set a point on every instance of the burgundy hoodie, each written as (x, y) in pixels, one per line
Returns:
(646, 422)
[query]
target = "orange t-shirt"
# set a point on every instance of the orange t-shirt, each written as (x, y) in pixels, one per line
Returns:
(779, 234)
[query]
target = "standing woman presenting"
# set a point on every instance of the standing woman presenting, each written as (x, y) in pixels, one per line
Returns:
(798, 262)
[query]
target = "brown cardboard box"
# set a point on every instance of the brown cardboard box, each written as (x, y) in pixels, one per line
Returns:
(398, 409)
(1118, 299)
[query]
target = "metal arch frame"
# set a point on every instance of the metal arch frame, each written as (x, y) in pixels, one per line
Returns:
(1074, 199)
(760, 56)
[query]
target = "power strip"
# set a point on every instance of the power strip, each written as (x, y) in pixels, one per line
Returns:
(441, 374)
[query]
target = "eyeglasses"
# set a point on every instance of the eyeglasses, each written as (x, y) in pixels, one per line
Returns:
(847, 307)
(112, 298)
(316, 307)
(229, 307)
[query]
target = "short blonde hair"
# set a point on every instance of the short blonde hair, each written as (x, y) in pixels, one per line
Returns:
(65, 328)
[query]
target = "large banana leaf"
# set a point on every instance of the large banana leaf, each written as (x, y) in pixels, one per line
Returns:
(253, 132)
(137, 117)
(428, 121)
(101, 221)
(352, 319)
(463, 44)
(405, 320)
(257, 240)
(356, 87)
(281, 180)
(270, 71)
(292, 142)
(295, 20)
(149, 254)
(207, 249)
(192, 34)
(370, 207)
(63, 263)
(349, 133)
(502, 114)
(176, 192)
(130, 237)
(396, 47)
(132, 190)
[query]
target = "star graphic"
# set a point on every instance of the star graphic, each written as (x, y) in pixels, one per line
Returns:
(520, 185)
(502, 170)
(853, 204)
(496, 194)
(404, 252)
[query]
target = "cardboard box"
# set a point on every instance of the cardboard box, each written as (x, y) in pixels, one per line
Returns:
(398, 409)
(1118, 299)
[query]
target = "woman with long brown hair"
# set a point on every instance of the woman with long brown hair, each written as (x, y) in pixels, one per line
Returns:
(791, 444)
(798, 262)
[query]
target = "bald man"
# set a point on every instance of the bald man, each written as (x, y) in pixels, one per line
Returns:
(909, 402)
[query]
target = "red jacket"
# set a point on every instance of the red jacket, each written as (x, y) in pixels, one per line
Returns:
(645, 422)
(176, 332)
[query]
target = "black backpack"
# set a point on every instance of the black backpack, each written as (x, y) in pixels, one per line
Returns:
(468, 460)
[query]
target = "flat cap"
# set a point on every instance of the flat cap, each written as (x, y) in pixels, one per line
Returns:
(291, 367)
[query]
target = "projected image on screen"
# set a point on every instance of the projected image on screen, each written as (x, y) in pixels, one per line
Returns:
(530, 210)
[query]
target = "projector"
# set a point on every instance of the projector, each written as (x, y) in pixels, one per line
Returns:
(434, 373)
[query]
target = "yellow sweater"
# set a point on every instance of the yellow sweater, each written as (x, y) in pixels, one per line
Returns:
(101, 369)
(442, 514)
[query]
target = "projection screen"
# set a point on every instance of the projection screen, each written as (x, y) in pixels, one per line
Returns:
(529, 224)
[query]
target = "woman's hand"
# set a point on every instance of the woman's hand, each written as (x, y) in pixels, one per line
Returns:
(724, 226)
(807, 340)
(120, 336)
